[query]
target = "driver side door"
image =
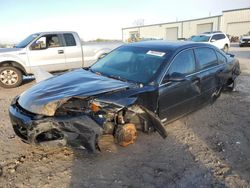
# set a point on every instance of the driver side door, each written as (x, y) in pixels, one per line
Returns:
(179, 96)
(47, 52)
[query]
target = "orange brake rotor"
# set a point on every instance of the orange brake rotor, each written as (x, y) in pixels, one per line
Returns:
(126, 134)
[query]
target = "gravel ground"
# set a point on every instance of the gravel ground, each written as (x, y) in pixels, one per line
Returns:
(208, 148)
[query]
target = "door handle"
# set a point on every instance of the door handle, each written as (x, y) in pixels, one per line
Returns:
(220, 71)
(195, 82)
(60, 51)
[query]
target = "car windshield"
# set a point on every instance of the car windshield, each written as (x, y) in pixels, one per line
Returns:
(135, 64)
(200, 38)
(26, 41)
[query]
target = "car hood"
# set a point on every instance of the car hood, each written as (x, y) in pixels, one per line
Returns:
(9, 50)
(45, 97)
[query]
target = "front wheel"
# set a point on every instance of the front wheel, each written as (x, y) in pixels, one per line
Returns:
(10, 77)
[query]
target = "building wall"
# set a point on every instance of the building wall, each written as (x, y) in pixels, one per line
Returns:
(190, 27)
(234, 22)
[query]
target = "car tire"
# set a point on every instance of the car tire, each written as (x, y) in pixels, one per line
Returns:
(10, 77)
(216, 94)
(232, 86)
(225, 48)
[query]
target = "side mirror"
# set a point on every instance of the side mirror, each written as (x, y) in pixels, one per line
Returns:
(36, 46)
(40, 44)
(176, 77)
(213, 40)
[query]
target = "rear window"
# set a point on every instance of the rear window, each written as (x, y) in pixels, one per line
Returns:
(206, 57)
(221, 58)
(200, 38)
(69, 39)
(218, 37)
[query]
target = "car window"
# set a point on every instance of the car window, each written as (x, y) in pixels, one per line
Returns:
(136, 64)
(46, 41)
(52, 41)
(218, 37)
(69, 39)
(26, 41)
(221, 58)
(183, 63)
(200, 38)
(206, 57)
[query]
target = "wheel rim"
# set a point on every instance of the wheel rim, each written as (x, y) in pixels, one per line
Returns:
(9, 77)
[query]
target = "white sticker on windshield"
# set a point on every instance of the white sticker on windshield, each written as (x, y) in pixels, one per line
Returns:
(155, 53)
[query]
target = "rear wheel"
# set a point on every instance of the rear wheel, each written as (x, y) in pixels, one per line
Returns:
(10, 77)
(225, 48)
(232, 85)
(216, 94)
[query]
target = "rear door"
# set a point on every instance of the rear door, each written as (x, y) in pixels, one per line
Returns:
(47, 52)
(179, 98)
(73, 51)
(209, 71)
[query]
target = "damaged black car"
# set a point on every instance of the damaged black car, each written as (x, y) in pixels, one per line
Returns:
(137, 87)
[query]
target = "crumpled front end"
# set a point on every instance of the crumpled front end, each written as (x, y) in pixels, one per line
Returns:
(84, 122)
(82, 108)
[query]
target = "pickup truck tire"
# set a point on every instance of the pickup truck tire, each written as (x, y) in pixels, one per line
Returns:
(10, 77)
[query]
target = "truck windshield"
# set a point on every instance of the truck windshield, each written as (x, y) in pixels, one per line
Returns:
(200, 38)
(26, 41)
(135, 64)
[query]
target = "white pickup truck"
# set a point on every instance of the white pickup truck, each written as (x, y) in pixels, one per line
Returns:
(51, 51)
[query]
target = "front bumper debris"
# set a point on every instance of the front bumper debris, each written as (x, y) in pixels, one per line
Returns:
(80, 130)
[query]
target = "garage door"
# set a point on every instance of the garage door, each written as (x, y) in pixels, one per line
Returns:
(172, 33)
(201, 28)
(238, 28)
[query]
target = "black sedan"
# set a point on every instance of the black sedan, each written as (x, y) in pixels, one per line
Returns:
(137, 87)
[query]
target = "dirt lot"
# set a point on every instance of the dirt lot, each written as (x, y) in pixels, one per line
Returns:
(209, 148)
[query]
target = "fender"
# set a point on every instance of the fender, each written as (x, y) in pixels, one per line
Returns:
(14, 64)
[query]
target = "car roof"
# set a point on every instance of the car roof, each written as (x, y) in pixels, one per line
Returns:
(168, 45)
(210, 34)
(54, 32)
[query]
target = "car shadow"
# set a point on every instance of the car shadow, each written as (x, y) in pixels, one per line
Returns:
(27, 80)
(208, 148)
(150, 162)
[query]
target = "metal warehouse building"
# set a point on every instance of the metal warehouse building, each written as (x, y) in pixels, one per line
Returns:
(233, 22)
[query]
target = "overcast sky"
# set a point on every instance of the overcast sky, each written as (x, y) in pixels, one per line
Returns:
(99, 19)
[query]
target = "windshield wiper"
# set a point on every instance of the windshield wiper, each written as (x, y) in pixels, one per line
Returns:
(111, 76)
(98, 73)
(118, 78)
